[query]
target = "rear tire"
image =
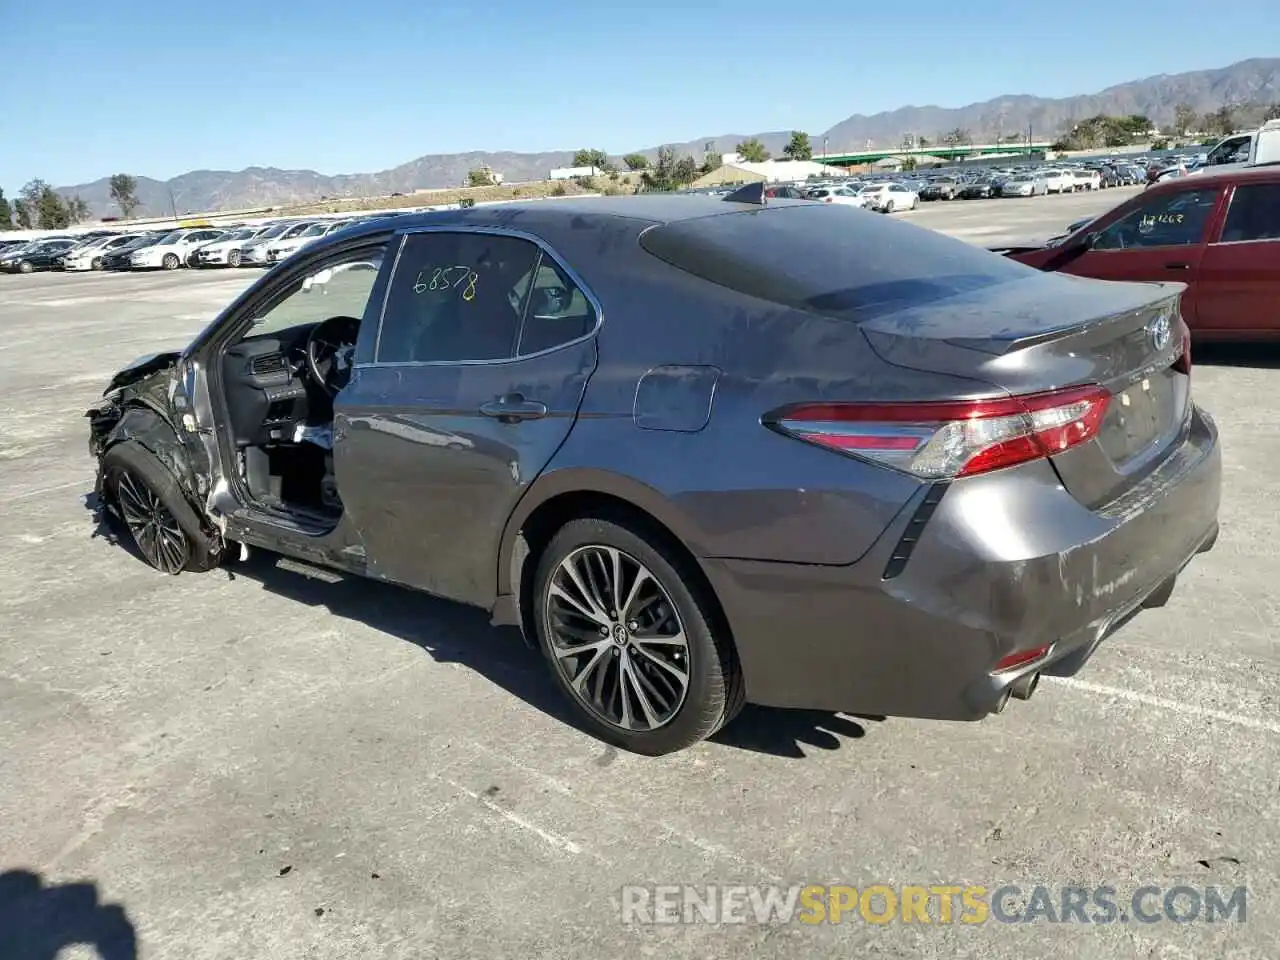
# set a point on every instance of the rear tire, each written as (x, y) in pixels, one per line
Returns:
(171, 261)
(26, 266)
(152, 509)
(662, 599)
(888, 207)
(233, 258)
(95, 263)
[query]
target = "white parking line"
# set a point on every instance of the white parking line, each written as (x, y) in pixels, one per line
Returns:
(553, 839)
(1175, 706)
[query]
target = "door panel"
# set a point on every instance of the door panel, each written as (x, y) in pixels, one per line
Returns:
(1238, 294)
(441, 430)
(430, 480)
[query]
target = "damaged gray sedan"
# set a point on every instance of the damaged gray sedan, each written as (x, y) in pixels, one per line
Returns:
(699, 451)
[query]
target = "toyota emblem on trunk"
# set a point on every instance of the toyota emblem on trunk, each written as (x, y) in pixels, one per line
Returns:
(1158, 331)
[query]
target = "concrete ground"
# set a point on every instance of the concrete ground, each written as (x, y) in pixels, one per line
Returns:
(258, 763)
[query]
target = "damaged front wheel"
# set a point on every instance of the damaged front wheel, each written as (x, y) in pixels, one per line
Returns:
(147, 501)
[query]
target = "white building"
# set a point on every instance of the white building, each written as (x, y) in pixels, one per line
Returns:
(572, 173)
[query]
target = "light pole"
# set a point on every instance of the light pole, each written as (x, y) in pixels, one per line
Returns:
(824, 151)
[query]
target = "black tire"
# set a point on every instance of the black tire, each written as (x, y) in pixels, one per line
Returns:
(715, 691)
(129, 463)
(233, 258)
(26, 266)
(95, 263)
(171, 261)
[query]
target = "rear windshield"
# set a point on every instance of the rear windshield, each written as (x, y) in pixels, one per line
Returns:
(829, 259)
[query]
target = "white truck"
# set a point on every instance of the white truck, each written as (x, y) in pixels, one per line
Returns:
(1244, 149)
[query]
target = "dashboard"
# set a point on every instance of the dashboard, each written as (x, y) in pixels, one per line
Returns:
(269, 389)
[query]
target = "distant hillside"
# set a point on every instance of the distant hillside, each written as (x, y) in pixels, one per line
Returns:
(1250, 81)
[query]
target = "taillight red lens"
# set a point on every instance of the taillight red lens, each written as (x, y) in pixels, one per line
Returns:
(952, 439)
(1183, 363)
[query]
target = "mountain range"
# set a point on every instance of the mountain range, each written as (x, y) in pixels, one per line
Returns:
(1249, 81)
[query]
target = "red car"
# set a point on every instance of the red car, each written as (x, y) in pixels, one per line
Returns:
(1217, 233)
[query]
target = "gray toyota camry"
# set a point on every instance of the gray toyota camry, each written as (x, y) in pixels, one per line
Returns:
(701, 451)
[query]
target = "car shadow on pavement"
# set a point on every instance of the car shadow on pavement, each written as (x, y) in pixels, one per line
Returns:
(38, 922)
(1262, 356)
(786, 733)
(455, 633)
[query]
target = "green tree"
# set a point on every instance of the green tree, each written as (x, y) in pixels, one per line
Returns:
(636, 161)
(753, 151)
(1272, 112)
(1221, 121)
(662, 175)
(22, 214)
(712, 161)
(923, 142)
(798, 147)
(958, 136)
(480, 177)
(909, 164)
(591, 158)
(1184, 119)
(77, 209)
(124, 191)
(6, 213)
(52, 212)
(686, 171)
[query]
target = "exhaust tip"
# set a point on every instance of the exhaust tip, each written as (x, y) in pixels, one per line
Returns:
(1001, 702)
(1025, 686)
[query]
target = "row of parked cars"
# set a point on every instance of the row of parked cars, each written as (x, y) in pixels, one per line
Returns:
(257, 245)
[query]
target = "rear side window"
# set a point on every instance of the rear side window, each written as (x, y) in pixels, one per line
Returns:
(1254, 214)
(453, 298)
(829, 259)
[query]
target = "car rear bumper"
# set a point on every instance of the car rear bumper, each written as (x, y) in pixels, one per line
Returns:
(1007, 562)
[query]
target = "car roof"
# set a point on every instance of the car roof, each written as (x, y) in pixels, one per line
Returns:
(1265, 174)
(559, 214)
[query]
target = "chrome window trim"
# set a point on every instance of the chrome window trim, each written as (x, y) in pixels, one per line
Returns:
(539, 243)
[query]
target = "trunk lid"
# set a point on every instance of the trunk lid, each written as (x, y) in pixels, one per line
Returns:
(1054, 330)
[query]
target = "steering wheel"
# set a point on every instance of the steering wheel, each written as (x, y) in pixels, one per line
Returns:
(330, 351)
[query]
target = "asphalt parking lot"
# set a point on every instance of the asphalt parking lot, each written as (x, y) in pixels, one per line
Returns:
(258, 763)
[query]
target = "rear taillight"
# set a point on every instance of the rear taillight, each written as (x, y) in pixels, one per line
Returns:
(952, 439)
(1183, 363)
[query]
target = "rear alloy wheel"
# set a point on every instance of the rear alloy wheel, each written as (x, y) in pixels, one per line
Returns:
(171, 261)
(233, 258)
(147, 500)
(630, 638)
(26, 266)
(915, 202)
(95, 263)
(888, 207)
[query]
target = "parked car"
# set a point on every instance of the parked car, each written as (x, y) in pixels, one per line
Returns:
(38, 255)
(841, 195)
(700, 451)
(121, 258)
(1087, 179)
(1024, 185)
(170, 251)
(287, 246)
(945, 188)
(90, 256)
(978, 190)
(226, 250)
(256, 253)
(889, 197)
(1215, 233)
(1058, 181)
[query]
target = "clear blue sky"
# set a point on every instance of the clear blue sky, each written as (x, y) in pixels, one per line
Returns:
(157, 89)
